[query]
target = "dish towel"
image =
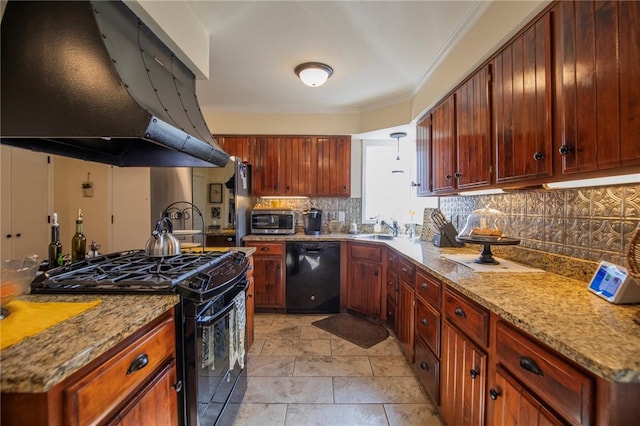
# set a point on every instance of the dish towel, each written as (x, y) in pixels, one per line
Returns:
(30, 318)
(237, 326)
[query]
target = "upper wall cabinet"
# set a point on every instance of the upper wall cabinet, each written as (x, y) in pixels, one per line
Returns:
(443, 143)
(473, 132)
(423, 148)
(522, 105)
(597, 78)
(333, 166)
(295, 165)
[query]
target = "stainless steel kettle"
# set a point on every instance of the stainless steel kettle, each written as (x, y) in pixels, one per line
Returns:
(162, 242)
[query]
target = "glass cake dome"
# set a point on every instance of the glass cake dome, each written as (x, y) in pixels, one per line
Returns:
(486, 223)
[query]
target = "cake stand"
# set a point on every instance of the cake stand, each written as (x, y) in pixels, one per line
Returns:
(486, 257)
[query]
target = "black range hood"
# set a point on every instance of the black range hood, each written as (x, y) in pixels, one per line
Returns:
(89, 80)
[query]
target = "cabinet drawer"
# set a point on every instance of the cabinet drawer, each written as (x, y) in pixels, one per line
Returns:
(429, 289)
(94, 397)
(467, 316)
(391, 313)
(362, 252)
(392, 285)
(267, 248)
(427, 368)
(406, 272)
(392, 260)
(428, 326)
(557, 382)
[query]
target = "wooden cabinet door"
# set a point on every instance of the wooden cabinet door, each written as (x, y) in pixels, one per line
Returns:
(443, 134)
(473, 132)
(423, 153)
(250, 308)
(365, 287)
(522, 105)
(297, 166)
(405, 319)
(238, 146)
(463, 379)
(333, 166)
(268, 274)
(266, 154)
(157, 404)
(515, 406)
(597, 55)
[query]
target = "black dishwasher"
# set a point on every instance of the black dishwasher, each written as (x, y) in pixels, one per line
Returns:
(313, 277)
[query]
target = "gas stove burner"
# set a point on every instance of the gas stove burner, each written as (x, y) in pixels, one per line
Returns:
(196, 276)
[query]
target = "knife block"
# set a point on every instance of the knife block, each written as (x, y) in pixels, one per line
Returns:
(446, 237)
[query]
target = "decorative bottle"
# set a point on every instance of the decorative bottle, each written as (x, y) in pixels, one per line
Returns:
(79, 241)
(55, 247)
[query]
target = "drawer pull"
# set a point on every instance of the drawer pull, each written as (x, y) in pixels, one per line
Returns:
(473, 373)
(424, 366)
(424, 286)
(460, 312)
(264, 249)
(404, 270)
(530, 365)
(424, 322)
(493, 394)
(139, 363)
(177, 386)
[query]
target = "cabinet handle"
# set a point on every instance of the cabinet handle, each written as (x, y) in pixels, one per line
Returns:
(8, 235)
(424, 322)
(404, 270)
(18, 235)
(177, 386)
(424, 286)
(457, 175)
(530, 365)
(538, 156)
(474, 373)
(229, 239)
(415, 184)
(139, 363)
(264, 249)
(389, 314)
(565, 149)
(375, 273)
(249, 295)
(447, 177)
(424, 366)
(460, 312)
(493, 394)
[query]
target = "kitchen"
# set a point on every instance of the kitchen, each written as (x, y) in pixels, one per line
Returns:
(556, 207)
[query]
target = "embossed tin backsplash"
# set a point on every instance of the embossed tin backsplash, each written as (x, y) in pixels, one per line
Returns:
(587, 223)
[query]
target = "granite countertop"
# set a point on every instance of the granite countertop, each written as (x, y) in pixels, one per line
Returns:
(39, 362)
(559, 311)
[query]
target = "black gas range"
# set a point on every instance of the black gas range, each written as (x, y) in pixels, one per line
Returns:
(209, 320)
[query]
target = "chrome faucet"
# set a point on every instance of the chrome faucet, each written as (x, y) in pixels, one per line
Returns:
(393, 226)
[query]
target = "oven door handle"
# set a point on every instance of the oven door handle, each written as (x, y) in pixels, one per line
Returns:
(211, 319)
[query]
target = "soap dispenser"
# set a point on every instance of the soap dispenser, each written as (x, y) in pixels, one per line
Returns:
(353, 228)
(377, 228)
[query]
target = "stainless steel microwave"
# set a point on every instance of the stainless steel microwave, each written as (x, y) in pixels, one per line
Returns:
(266, 221)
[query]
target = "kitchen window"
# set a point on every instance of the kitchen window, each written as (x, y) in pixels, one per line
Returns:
(386, 182)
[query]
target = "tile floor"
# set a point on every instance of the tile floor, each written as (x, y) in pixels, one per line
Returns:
(300, 375)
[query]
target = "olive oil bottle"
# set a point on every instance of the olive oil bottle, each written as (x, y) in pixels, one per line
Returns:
(55, 247)
(79, 241)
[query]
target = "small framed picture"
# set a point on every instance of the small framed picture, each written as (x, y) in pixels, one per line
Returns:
(215, 192)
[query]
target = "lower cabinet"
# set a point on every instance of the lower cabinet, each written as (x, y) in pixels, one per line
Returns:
(364, 293)
(513, 405)
(133, 383)
(463, 380)
(404, 321)
(269, 275)
(250, 306)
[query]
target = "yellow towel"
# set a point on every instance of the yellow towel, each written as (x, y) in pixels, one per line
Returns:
(30, 318)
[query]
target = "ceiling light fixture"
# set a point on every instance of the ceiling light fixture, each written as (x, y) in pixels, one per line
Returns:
(397, 136)
(313, 74)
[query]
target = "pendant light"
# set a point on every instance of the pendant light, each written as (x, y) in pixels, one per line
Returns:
(397, 136)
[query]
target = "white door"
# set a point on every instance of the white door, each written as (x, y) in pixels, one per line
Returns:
(131, 208)
(25, 202)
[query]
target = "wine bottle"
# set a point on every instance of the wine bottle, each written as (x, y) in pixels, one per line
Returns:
(79, 241)
(55, 247)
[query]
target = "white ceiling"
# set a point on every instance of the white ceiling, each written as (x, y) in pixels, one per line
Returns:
(381, 51)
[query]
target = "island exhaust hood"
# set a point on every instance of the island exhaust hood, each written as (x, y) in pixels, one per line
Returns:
(89, 80)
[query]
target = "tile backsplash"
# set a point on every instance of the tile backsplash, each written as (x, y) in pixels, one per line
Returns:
(587, 223)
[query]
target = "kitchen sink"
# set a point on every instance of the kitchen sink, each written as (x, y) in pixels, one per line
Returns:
(374, 237)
